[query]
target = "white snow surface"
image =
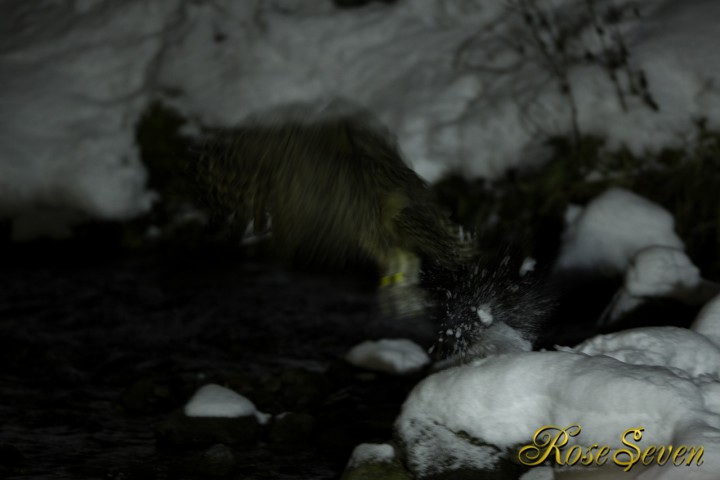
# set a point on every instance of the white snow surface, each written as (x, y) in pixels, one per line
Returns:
(501, 401)
(371, 453)
(396, 356)
(539, 473)
(661, 272)
(216, 401)
(707, 322)
(399, 61)
(75, 76)
(686, 352)
(666, 379)
(607, 233)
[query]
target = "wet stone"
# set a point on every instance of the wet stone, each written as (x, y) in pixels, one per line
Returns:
(147, 396)
(338, 440)
(294, 389)
(372, 471)
(217, 461)
(292, 431)
(181, 430)
(12, 461)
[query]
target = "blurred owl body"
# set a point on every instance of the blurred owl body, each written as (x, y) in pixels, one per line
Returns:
(336, 189)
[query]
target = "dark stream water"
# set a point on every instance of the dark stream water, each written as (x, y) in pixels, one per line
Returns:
(96, 354)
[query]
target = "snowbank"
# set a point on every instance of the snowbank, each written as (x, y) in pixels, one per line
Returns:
(399, 61)
(75, 78)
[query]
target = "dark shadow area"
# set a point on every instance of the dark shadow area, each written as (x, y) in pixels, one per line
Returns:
(98, 349)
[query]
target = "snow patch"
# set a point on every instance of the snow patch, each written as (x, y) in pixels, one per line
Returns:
(484, 313)
(397, 356)
(528, 266)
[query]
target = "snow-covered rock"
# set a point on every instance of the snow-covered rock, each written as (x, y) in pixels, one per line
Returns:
(474, 417)
(659, 273)
(374, 460)
(371, 453)
(397, 356)
(685, 351)
(612, 229)
(707, 322)
(216, 401)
